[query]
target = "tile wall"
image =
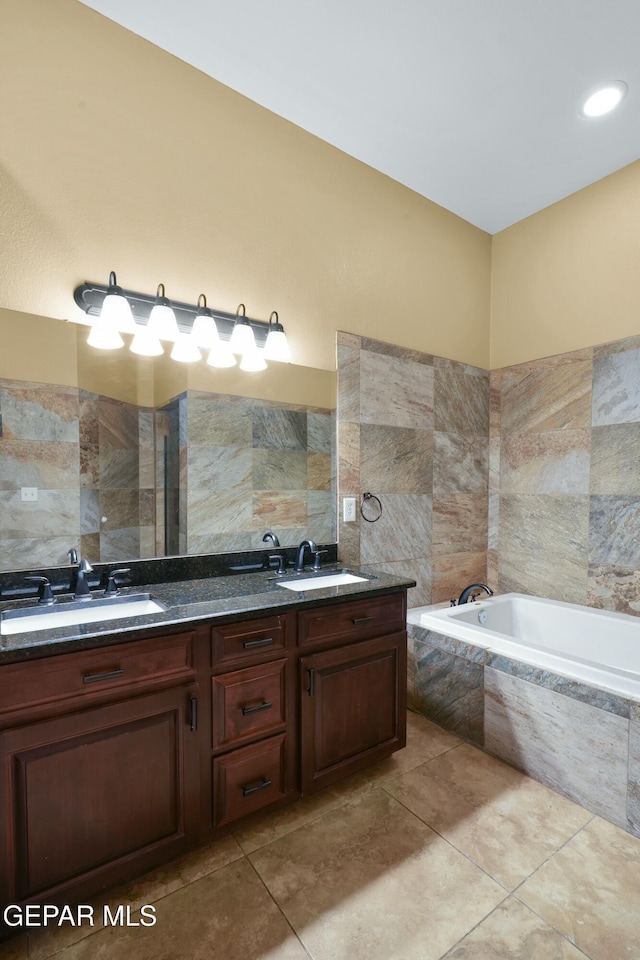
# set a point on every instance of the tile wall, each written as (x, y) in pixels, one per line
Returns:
(247, 467)
(414, 431)
(564, 515)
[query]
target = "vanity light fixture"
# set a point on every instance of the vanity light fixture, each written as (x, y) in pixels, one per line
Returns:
(603, 99)
(192, 329)
(242, 336)
(276, 346)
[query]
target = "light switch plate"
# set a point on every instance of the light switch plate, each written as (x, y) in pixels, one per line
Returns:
(28, 494)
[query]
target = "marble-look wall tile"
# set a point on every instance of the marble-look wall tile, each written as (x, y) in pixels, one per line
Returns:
(55, 513)
(493, 521)
(543, 545)
(402, 532)
(546, 396)
(570, 746)
(495, 448)
(217, 468)
(453, 572)
(321, 432)
(461, 399)
(495, 393)
(88, 412)
(348, 458)
(272, 510)
(492, 569)
(118, 468)
(400, 353)
(459, 523)
(121, 508)
(419, 569)
(460, 463)
(89, 546)
(116, 545)
(218, 543)
(281, 429)
(545, 462)
(612, 587)
(349, 542)
(633, 790)
(146, 516)
(450, 691)
(614, 525)
(615, 455)
(320, 471)
(396, 459)
(41, 551)
(219, 511)
(146, 448)
(39, 411)
(451, 645)
(36, 463)
(216, 423)
(321, 508)
(279, 469)
(616, 388)
(117, 425)
(89, 511)
(396, 392)
(348, 406)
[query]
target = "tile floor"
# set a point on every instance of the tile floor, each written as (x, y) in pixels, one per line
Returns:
(440, 851)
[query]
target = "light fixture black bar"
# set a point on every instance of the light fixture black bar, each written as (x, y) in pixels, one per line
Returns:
(90, 296)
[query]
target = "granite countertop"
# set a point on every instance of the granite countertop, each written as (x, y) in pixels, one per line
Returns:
(236, 597)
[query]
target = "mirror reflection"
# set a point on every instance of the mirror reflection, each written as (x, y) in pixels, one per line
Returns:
(117, 479)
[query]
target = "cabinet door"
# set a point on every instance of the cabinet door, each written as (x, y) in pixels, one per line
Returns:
(353, 709)
(96, 795)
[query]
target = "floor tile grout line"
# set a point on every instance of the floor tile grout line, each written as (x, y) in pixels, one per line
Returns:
(475, 927)
(280, 909)
(555, 852)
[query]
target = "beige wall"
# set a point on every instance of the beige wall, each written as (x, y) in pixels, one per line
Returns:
(117, 156)
(568, 277)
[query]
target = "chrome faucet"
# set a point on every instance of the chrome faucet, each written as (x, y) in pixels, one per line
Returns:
(468, 591)
(270, 536)
(80, 585)
(299, 564)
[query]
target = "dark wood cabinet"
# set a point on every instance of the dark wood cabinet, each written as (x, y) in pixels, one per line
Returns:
(97, 793)
(116, 758)
(353, 708)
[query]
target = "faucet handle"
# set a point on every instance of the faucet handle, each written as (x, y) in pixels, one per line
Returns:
(277, 558)
(316, 558)
(45, 593)
(112, 587)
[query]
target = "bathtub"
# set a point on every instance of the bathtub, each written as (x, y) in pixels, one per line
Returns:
(594, 647)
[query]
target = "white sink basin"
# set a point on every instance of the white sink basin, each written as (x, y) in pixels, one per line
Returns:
(321, 581)
(68, 614)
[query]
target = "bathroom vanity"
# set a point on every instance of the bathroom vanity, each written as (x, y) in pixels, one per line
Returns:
(124, 743)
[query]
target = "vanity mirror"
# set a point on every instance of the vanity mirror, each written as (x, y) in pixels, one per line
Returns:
(128, 457)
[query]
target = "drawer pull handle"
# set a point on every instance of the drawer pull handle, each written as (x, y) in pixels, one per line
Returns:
(193, 714)
(358, 620)
(261, 706)
(257, 643)
(97, 677)
(247, 791)
(312, 681)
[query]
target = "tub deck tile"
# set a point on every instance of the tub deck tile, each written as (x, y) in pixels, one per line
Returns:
(571, 746)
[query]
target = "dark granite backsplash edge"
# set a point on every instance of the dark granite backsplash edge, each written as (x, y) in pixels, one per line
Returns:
(154, 570)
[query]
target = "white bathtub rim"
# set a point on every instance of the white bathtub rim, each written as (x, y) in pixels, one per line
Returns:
(611, 680)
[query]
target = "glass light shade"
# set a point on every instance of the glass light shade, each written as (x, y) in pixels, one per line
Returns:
(104, 335)
(205, 331)
(116, 310)
(185, 349)
(221, 355)
(162, 322)
(604, 99)
(242, 338)
(253, 360)
(145, 344)
(276, 346)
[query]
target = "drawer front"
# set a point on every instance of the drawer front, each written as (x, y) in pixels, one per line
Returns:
(354, 620)
(240, 641)
(90, 672)
(248, 779)
(248, 703)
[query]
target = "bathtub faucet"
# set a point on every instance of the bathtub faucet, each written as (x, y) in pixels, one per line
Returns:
(475, 588)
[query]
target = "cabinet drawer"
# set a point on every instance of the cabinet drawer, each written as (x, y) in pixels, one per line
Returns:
(355, 620)
(90, 672)
(248, 779)
(239, 641)
(248, 702)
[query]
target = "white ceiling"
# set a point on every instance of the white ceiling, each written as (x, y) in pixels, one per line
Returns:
(471, 103)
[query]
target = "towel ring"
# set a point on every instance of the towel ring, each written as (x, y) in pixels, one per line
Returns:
(370, 507)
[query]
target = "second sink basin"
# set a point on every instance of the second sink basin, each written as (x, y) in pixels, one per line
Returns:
(321, 581)
(78, 611)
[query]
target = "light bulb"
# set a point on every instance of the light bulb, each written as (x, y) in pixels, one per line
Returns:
(276, 346)
(104, 335)
(221, 355)
(185, 349)
(253, 360)
(145, 344)
(116, 309)
(162, 319)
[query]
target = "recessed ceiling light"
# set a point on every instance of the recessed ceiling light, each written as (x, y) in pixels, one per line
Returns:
(603, 99)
